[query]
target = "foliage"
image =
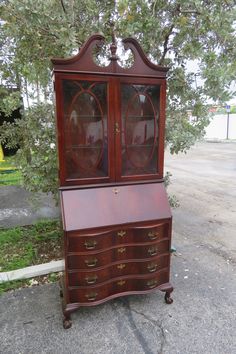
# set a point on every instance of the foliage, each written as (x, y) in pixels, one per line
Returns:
(172, 32)
(9, 100)
(26, 283)
(35, 134)
(29, 245)
(24, 246)
(12, 285)
(174, 203)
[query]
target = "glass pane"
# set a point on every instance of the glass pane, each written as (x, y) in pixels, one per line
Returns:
(140, 111)
(85, 127)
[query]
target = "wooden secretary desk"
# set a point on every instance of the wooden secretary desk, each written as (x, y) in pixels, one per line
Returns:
(115, 211)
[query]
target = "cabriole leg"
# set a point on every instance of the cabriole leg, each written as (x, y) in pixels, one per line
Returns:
(168, 299)
(167, 288)
(67, 323)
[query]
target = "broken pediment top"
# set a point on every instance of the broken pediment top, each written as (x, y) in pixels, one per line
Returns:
(84, 60)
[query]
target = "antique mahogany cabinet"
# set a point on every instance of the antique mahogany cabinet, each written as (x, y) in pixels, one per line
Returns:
(115, 211)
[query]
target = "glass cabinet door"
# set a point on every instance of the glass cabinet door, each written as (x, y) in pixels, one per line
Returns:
(140, 105)
(85, 129)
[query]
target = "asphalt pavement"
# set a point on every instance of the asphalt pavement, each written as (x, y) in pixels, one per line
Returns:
(19, 207)
(202, 316)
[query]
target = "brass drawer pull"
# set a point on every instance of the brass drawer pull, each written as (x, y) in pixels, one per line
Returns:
(121, 282)
(91, 262)
(152, 267)
(90, 245)
(153, 235)
(121, 250)
(92, 279)
(121, 266)
(152, 283)
(121, 233)
(91, 296)
(152, 251)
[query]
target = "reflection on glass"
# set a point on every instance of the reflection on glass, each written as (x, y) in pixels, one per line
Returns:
(85, 124)
(140, 109)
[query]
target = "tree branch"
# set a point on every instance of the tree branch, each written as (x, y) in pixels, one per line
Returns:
(177, 12)
(190, 12)
(165, 45)
(42, 29)
(63, 6)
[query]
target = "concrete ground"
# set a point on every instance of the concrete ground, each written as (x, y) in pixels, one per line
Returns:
(17, 207)
(202, 316)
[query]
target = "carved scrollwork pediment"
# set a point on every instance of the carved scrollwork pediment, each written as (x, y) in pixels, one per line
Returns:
(84, 60)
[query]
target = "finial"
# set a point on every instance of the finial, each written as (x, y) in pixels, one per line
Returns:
(113, 46)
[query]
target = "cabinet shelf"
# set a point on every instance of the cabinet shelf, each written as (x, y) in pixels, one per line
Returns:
(138, 145)
(75, 147)
(140, 117)
(87, 117)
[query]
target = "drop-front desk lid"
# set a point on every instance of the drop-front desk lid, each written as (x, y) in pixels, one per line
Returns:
(104, 206)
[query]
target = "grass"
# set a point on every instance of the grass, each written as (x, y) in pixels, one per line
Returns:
(12, 285)
(9, 175)
(29, 245)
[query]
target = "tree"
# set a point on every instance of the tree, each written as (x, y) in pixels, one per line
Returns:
(172, 32)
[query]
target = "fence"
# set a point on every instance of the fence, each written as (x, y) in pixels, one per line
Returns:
(217, 129)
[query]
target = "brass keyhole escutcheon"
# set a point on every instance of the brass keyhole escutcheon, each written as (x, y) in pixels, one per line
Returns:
(121, 233)
(117, 128)
(115, 191)
(121, 282)
(121, 250)
(121, 266)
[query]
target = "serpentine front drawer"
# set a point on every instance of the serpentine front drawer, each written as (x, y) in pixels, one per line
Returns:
(86, 241)
(132, 267)
(89, 260)
(114, 288)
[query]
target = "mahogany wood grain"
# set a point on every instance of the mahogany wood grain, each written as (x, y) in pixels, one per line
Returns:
(114, 135)
(96, 293)
(115, 211)
(84, 62)
(83, 241)
(83, 277)
(61, 130)
(92, 260)
(100, 207)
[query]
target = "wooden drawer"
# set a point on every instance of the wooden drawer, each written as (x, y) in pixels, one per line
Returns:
(83, 242)
(117, 287)
(92, 277)
(100, 259)
(150, 233)
(78, 242)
